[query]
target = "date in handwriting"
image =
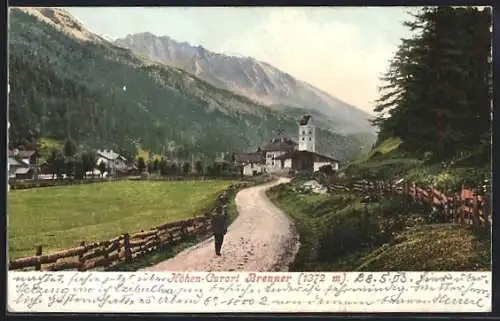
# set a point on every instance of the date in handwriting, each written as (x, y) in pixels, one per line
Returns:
(248, 291)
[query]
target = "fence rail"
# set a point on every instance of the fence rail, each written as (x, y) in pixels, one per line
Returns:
(465, 207)
(123, 248)
(111, 252)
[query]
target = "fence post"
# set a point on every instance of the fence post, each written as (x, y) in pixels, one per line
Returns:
(126, 247)
(475, 212)
(80, 258)
(184, 228)
(38, 253)
(157, 238)
(446, 207)
(106, 254)
(141, 247)
(456, 209)
(207, 224)
(486, 211)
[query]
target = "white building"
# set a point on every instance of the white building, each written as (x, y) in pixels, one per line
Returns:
(251, 163)
(307, 134)
(114, 161)
(306, 158)
(278, 147)
(282, 155)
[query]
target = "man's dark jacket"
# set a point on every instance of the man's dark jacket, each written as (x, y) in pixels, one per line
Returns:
(219, 222)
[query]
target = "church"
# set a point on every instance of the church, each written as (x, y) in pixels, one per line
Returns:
(283, 155)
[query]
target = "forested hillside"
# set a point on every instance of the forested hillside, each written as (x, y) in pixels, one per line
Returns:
(101, 95)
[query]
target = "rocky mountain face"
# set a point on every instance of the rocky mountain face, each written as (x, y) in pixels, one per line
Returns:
(257, 80)
(69, 83)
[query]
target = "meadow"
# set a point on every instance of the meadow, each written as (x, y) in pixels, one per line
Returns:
(62, 217)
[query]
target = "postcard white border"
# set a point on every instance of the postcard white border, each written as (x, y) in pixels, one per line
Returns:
(218, 292)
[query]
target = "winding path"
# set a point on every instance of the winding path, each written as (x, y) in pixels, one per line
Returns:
(260, 239)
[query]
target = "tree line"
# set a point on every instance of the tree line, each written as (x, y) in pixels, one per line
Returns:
(164, 168)
(438, 88)
(72, 162)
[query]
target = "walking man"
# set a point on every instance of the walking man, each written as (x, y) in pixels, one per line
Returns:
(219, 225)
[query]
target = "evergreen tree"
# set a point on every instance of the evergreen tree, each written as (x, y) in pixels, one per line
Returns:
(185, 168)
(141, 164)
(438, 91)
(198, 167)
(52, 161)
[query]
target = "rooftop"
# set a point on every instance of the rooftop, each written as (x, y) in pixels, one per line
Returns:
(21, 153)
(14, 162)
(256, 157)
(305, 120)
(281, 143)
(23, 170)
(109, 154)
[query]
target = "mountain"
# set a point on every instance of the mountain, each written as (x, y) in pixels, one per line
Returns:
(257, 80)
(67, 82)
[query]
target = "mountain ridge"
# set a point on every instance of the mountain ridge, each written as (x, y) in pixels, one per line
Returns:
(260, 81)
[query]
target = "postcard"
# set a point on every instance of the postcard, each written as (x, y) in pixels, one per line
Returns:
(249, 159)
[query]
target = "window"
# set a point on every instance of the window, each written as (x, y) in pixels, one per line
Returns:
(303, 138)
(310, 138)
(303, 132)
(310, 132)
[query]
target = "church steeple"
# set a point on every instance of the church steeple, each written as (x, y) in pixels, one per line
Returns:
(307, 134)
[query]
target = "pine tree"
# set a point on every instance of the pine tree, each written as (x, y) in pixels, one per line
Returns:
(437, 92)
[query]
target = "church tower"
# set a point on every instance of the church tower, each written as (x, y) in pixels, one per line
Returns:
(307, 134)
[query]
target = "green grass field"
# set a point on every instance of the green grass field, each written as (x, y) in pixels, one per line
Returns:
(62, 217)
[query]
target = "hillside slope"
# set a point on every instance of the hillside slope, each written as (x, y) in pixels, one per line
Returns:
(67, 82)
(257, 80)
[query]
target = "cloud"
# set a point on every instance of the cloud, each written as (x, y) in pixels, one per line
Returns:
(337, 57)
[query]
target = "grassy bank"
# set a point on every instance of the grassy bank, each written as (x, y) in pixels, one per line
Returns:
(62, 217)
(389, 160)
(336, 233)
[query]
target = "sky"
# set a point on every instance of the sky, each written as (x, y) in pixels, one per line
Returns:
(341, 50)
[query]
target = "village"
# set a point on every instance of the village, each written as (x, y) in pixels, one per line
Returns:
(281, 156)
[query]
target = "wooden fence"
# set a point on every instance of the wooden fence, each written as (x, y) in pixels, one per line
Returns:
(464, 207)
(123, 248)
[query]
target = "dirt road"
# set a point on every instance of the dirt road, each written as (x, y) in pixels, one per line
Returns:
(261, 239)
